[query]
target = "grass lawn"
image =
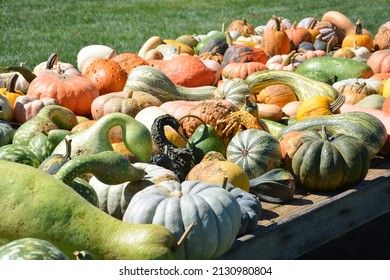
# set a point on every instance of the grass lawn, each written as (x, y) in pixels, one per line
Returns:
(33, 29)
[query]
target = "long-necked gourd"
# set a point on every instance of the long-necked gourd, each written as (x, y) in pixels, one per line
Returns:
(36, 204)
(95, 139)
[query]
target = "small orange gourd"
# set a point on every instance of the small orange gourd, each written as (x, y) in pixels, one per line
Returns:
(10, 92)
(362, 40)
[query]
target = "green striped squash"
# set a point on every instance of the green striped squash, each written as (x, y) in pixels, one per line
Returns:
(234, 90)
(31, 249)
(255, 151)
(18, 153)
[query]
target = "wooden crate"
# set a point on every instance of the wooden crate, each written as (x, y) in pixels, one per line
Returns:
(287, 231)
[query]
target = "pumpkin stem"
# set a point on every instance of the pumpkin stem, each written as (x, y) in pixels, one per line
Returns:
(328, 48)
(277, 21)
(335, 105)
(51, 61)
(68, 145)
(223, 27)
(288, 59)
(325, 134)
(27, 74)
(360, 87)
(225, 181)
(12, 83)
(184, 237)
(359, 27)
(229, 39)
(313, 23)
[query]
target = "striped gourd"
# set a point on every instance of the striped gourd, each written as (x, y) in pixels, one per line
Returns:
(255, 151)
(302, 86)
(234, 90)
(31, 249)
(154, 81)
(18, 153)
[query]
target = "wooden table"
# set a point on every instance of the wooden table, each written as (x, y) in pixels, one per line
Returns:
(287, 231)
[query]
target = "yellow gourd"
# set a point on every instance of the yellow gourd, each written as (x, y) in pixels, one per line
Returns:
(319, 106)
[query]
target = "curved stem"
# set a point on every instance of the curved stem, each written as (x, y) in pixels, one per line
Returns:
(51, 61)
(359, 28)
(335, 105)
(12, 83)
(288, 59)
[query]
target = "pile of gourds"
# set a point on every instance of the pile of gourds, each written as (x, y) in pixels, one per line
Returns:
(169, 152)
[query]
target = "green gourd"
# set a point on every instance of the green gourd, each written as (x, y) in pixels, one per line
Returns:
(155, 82)
(48, 118)
(203, 140)
(38, 205)
(95, 139)
(6, 131)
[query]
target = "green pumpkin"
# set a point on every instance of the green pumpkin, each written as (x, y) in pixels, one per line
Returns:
(31, 249)
(320, 161)
(6, 133)
(215, 211)
(255, 151)
(235, 91)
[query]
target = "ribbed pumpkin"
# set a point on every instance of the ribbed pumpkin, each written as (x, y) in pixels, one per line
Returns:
(176, 206)
(275, 40)
(28, 106)
(358, 39)
(241, 70)
(320, 161)
(106, 74)
(297, 35)
(309, 23)
(71, 91)
(242, 26)
(243, 53)
(234, 91)
(283, 62)
(255, 151)
(379, 61)
(382, 37)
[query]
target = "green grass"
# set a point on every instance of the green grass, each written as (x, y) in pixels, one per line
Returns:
(31, 29)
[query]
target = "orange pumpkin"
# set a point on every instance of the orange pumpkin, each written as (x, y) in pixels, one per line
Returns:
(107, 75)
(382, 37)
(279, 95)
(10, 92)
(358, 39)
(74, 92)
(242, 26)
(310, 23)
(241, 70)
(297, 35)
(275, 40)
(128, 61)
(379, 61)
(188, 71)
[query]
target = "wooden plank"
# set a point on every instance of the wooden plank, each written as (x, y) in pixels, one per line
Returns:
(288, 231)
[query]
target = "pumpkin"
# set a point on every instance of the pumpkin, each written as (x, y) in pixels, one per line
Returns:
(358, 39)
(243, 53)
(54, 65)
(275, 40)
(255, 151)
(283, 62)
(320, 161)
(28, 106)
(10, 92)
(310, 23)
(346, 52)
(328, 33)
(297, 35)
(176, 206)
(188, 71)
(106, 74)
(241, 70)
(128, 61)
(379, 61)
(366, 86)
(279, 95)
(129, 103)
(341, 22)
(74, 92)
(242, 26)
(284, 23)
(382, 37)
(89, 53)
(234, 91)
(114, 199)
(308, 54)
(319, 106)
(212, 55)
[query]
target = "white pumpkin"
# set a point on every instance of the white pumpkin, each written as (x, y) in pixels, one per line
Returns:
(114, 199)
(372, 85)
(176, 206)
